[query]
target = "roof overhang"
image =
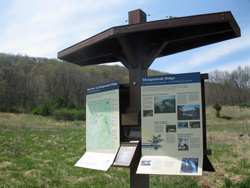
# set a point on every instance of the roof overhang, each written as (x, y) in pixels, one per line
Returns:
(183, 33)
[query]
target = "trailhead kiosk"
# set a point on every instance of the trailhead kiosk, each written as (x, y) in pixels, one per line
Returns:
(152, 125)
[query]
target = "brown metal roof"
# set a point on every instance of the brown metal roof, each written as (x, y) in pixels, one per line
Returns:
(182, 34)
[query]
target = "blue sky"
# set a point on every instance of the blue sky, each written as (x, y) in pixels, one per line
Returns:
(42, 28)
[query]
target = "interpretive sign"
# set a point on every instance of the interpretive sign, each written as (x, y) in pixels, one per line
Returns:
(172, 140)
(102, 126)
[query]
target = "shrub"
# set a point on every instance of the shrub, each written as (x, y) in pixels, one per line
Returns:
(71, 105)
(3, 108)
(43, 110)
(15, 109)
(64, 114)
(69, 115)
(243, 105)
(217, 107)
(60, 103)
(80, 115)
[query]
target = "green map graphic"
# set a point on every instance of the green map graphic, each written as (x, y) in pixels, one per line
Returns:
(99, 124)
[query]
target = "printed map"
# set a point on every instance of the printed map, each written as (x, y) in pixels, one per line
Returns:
(99, 124)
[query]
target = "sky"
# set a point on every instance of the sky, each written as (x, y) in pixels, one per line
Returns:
(42, 28)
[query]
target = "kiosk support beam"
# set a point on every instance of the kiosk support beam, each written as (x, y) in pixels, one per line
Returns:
(136, 69)
(207, 166)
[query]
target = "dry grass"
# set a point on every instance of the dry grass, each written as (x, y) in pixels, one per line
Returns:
(39, 151)
(230, 151)
(238, 115)
(228, 160)
(12, 116)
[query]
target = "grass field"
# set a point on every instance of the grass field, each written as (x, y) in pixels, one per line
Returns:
(38, 151)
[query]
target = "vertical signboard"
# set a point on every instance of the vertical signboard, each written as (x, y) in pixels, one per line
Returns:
(172, 140)
(102, 126)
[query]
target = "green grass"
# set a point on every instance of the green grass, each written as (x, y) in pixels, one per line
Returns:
(38, 151)
(230, 151)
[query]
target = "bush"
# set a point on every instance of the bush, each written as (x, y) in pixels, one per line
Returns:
(71, 105)
(69, 115)
(43, 110)
(243, 105)
(3, 108)
(217, 107)
(80, 115)
(14, 109)
(61, 103)
(64, 114)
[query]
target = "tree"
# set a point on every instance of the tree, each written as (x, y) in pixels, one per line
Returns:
(2, 87)
(217, 107)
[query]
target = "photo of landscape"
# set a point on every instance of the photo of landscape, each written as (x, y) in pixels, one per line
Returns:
(195, 124)
(188, 112)
(164, 104)
(147, 113)
(189, 165)
(182, 125)
(170, 128)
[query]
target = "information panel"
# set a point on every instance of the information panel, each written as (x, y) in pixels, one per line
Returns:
(102, 126)
(172, 140)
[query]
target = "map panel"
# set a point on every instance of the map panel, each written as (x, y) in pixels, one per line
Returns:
(99, 124)
(102, 126)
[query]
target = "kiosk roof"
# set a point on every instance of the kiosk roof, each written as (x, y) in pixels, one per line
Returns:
(182, 33)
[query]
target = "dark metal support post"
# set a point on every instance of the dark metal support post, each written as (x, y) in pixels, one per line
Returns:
(134, 52)
(135, 86)
(207, 166)
(138, 180)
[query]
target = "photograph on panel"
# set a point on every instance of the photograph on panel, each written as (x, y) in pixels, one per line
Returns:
(182, 125)
(147, 113)
(183, 144)
(195, 124)
(164, 104)
(189, 165)
(188, 112)
(170, 128)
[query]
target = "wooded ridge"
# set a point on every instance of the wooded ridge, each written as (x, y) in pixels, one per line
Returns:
(28, 82)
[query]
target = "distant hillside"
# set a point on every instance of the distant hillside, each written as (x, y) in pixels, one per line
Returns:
(28, 82)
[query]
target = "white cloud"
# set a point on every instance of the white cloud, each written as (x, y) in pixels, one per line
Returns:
(43, 28)
(197, 59)
(208, 54)
(231, 66)
(34, 26)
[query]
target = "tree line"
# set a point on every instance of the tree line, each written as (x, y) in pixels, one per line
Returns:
(29, 82)
(228, 88)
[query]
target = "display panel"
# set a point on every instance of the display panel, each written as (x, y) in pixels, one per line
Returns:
(172, 140)
(102, 126)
